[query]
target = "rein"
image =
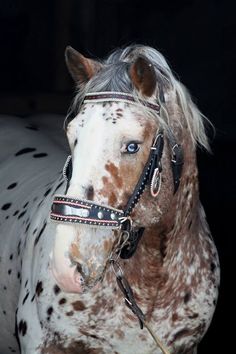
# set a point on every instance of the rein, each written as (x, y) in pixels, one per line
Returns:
(80, 211)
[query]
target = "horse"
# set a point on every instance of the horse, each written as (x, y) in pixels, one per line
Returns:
(118, 238)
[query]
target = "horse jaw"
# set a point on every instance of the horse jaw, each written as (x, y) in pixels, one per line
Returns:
(79, 256)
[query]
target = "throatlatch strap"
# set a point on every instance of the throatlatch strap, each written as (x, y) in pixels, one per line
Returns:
(177, 160)
(73, 210)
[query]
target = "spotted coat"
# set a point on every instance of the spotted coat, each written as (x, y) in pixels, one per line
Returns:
(58, 294)
(48, 320)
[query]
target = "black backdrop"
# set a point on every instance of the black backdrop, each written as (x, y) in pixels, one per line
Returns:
(196, 36)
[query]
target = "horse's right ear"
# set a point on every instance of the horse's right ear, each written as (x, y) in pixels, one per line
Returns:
(80, 68)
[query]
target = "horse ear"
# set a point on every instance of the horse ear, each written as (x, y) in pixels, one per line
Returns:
(80, 68)
(143, 76)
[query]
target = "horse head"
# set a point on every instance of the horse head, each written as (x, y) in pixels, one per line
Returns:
(111, 138)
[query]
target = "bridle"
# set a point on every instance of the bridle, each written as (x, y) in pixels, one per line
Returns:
(80, 211)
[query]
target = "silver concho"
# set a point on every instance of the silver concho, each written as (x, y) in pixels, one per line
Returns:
(113, 216)
(155, 183)
(81, 212)
(100, 214)
(84, 213)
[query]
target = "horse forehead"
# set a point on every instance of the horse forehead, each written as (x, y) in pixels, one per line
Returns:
(112, 113)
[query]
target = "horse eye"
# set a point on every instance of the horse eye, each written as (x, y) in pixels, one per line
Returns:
(132, 147)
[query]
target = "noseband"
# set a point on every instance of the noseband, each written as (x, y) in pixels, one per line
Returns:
(73, 210)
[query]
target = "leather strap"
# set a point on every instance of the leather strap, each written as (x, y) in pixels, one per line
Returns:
(153, 162)
(177, 160)
(119, 97)
(73, 210)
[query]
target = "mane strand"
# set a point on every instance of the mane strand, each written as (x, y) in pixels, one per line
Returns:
(114, 76)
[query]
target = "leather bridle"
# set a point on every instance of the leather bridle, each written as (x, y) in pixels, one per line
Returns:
(80, 211)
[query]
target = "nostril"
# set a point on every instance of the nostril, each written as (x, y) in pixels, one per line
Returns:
(80, 277)
(79, 268)
(90, 192)
(82, 270)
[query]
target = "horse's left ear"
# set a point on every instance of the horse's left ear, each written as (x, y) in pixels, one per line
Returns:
(143, 76)
(80, 67)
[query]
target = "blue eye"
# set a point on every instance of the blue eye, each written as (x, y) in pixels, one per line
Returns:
(132, 147)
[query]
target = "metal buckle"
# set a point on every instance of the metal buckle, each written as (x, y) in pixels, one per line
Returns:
(155, 182)
(173, 157)
(155, 141)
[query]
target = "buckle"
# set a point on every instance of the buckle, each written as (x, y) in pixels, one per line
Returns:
(155, 182)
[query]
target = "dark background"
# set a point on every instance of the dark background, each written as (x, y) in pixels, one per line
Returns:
(198, 39)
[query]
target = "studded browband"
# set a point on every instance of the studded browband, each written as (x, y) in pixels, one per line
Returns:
(67, 209)
(119, 97)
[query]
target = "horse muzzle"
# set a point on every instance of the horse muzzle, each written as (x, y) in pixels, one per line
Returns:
(79, 257)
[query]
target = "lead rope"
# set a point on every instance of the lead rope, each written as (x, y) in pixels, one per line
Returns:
(128, 293)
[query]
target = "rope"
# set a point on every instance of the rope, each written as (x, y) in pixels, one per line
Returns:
(156, 339)
(130, 301)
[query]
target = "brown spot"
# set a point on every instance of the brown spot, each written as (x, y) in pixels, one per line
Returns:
(39, 288)
(108, 245)
(143, 337)
(131, 317)
(105, 180)
(119, 333)
(108, 191)
(114, 172)
(74, 348)
(88, 334)
(70, 313)
(180, 334)
(62, 301)
(99, 305)
(78, 306)
(74, 250)
(175, 317)
(187, 297)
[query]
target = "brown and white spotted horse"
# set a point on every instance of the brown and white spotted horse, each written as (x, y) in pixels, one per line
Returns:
(131, 204)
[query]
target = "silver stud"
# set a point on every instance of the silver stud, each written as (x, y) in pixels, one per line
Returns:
(113, 216)
(100, 214)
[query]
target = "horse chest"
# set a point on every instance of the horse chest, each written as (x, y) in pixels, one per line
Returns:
(100, 321)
